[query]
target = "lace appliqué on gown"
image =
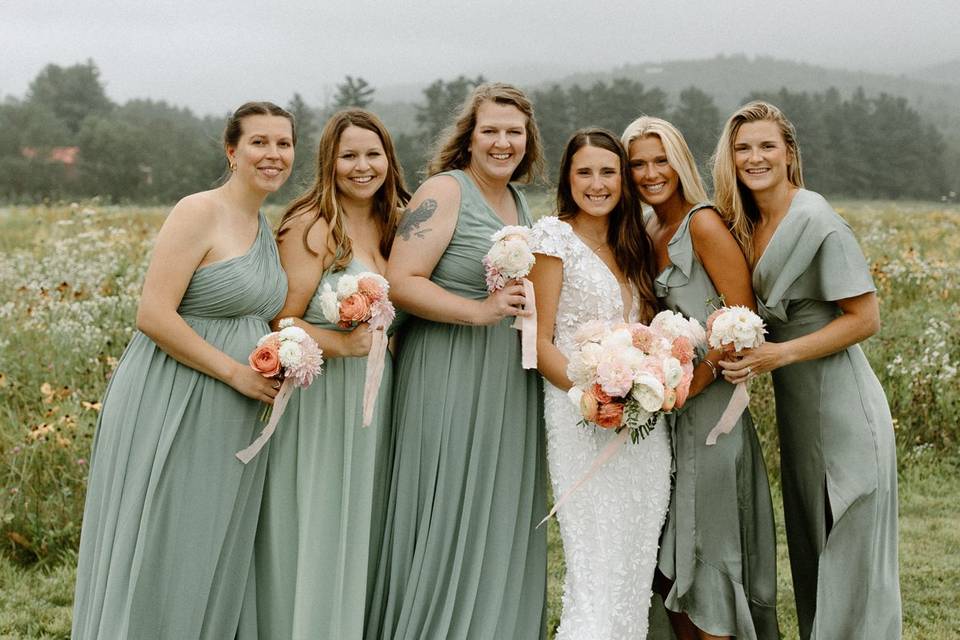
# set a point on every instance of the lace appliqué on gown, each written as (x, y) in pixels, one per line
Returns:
(611, 526)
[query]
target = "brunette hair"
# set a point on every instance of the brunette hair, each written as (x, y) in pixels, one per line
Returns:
(320, 200)
(677, 150)
(734, 201)
(233, 131)
(626, 234)
(452, 149)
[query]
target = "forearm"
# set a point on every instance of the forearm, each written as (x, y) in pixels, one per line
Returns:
(552, 365)
(425, 299)
(704, 374)
(174, 336)
(842, 332)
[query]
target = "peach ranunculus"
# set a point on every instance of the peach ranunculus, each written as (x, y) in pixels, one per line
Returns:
(354, 308)
(589, 406)
(265, 359)
(610, 415)
(682, 349)
(602, 397)
(370, 288)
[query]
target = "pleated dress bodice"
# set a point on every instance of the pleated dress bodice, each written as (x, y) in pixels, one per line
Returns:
(462, 557)
(170, 513)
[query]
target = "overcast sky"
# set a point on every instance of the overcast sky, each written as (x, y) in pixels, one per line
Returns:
(213, 55)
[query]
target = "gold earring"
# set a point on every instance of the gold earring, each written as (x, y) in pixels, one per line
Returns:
(233, 166)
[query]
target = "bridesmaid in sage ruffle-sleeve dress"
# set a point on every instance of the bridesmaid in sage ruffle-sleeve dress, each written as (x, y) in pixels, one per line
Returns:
(170, 516)
(462, 558)
(837, 449)
(718, 549)
(325, 494)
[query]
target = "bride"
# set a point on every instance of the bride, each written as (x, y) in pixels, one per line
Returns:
(595, 262)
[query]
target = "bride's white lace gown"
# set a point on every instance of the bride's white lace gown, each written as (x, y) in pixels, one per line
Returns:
(611, 526)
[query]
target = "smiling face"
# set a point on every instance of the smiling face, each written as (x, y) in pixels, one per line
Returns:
(264, 154)
(761, 156)
(498, 142)
(361, 164)
(595, 180)
(656, 180)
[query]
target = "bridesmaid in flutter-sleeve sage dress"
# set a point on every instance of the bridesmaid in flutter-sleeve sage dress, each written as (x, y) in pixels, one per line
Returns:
(837, 449)
(718, 549)
(170, 516)
(325, 493)
(462, 558)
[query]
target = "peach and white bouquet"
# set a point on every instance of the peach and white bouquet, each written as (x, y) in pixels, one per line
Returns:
(292, 358)
(731, 330)
(626, 375)
(510, 258)
(363, 298)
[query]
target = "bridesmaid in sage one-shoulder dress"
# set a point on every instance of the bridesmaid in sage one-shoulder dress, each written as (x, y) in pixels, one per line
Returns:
(171, 514)
(837, 449)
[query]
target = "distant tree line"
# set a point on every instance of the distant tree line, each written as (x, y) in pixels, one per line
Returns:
(66, 140)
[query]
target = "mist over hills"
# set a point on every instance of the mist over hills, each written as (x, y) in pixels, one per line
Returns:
(933, 91)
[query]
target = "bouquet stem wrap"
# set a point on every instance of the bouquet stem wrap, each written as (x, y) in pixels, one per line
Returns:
(528, 327)
(738, 402)
(612, 448)
(375, 363)
(279, 405)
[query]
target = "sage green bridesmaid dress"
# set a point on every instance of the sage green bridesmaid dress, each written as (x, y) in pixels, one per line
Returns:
(462, 557)
(171, 514)
(837, 451)
(324, 503)
(719, 543)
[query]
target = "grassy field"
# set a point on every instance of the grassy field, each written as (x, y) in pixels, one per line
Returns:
(69, 281)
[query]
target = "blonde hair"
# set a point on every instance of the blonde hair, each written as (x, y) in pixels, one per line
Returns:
(734, 201)
(677, 150)
(321, 199)
(452, 149)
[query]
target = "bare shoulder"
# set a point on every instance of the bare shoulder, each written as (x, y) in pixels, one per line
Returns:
(707, 225)
(197, 214)
(306, 221)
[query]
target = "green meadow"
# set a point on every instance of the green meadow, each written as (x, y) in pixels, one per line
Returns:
(69, 282)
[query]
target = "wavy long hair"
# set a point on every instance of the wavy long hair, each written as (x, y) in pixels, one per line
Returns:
(321, 200)
(733, 200)
(626, 234)
(677, 150)
(453, 146)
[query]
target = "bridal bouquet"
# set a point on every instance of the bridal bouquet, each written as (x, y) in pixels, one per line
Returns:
(292, 358)
(508, 259)
(731, 330)
(363, 298)
(626, 375)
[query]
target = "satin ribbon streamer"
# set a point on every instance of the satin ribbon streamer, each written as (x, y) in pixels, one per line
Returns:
(738, 402)
(528, 327)
(279, 405)
(608, 452)
(375, 362)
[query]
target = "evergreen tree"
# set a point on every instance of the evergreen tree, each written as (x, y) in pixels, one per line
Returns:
(353, 92)
(72, 93)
